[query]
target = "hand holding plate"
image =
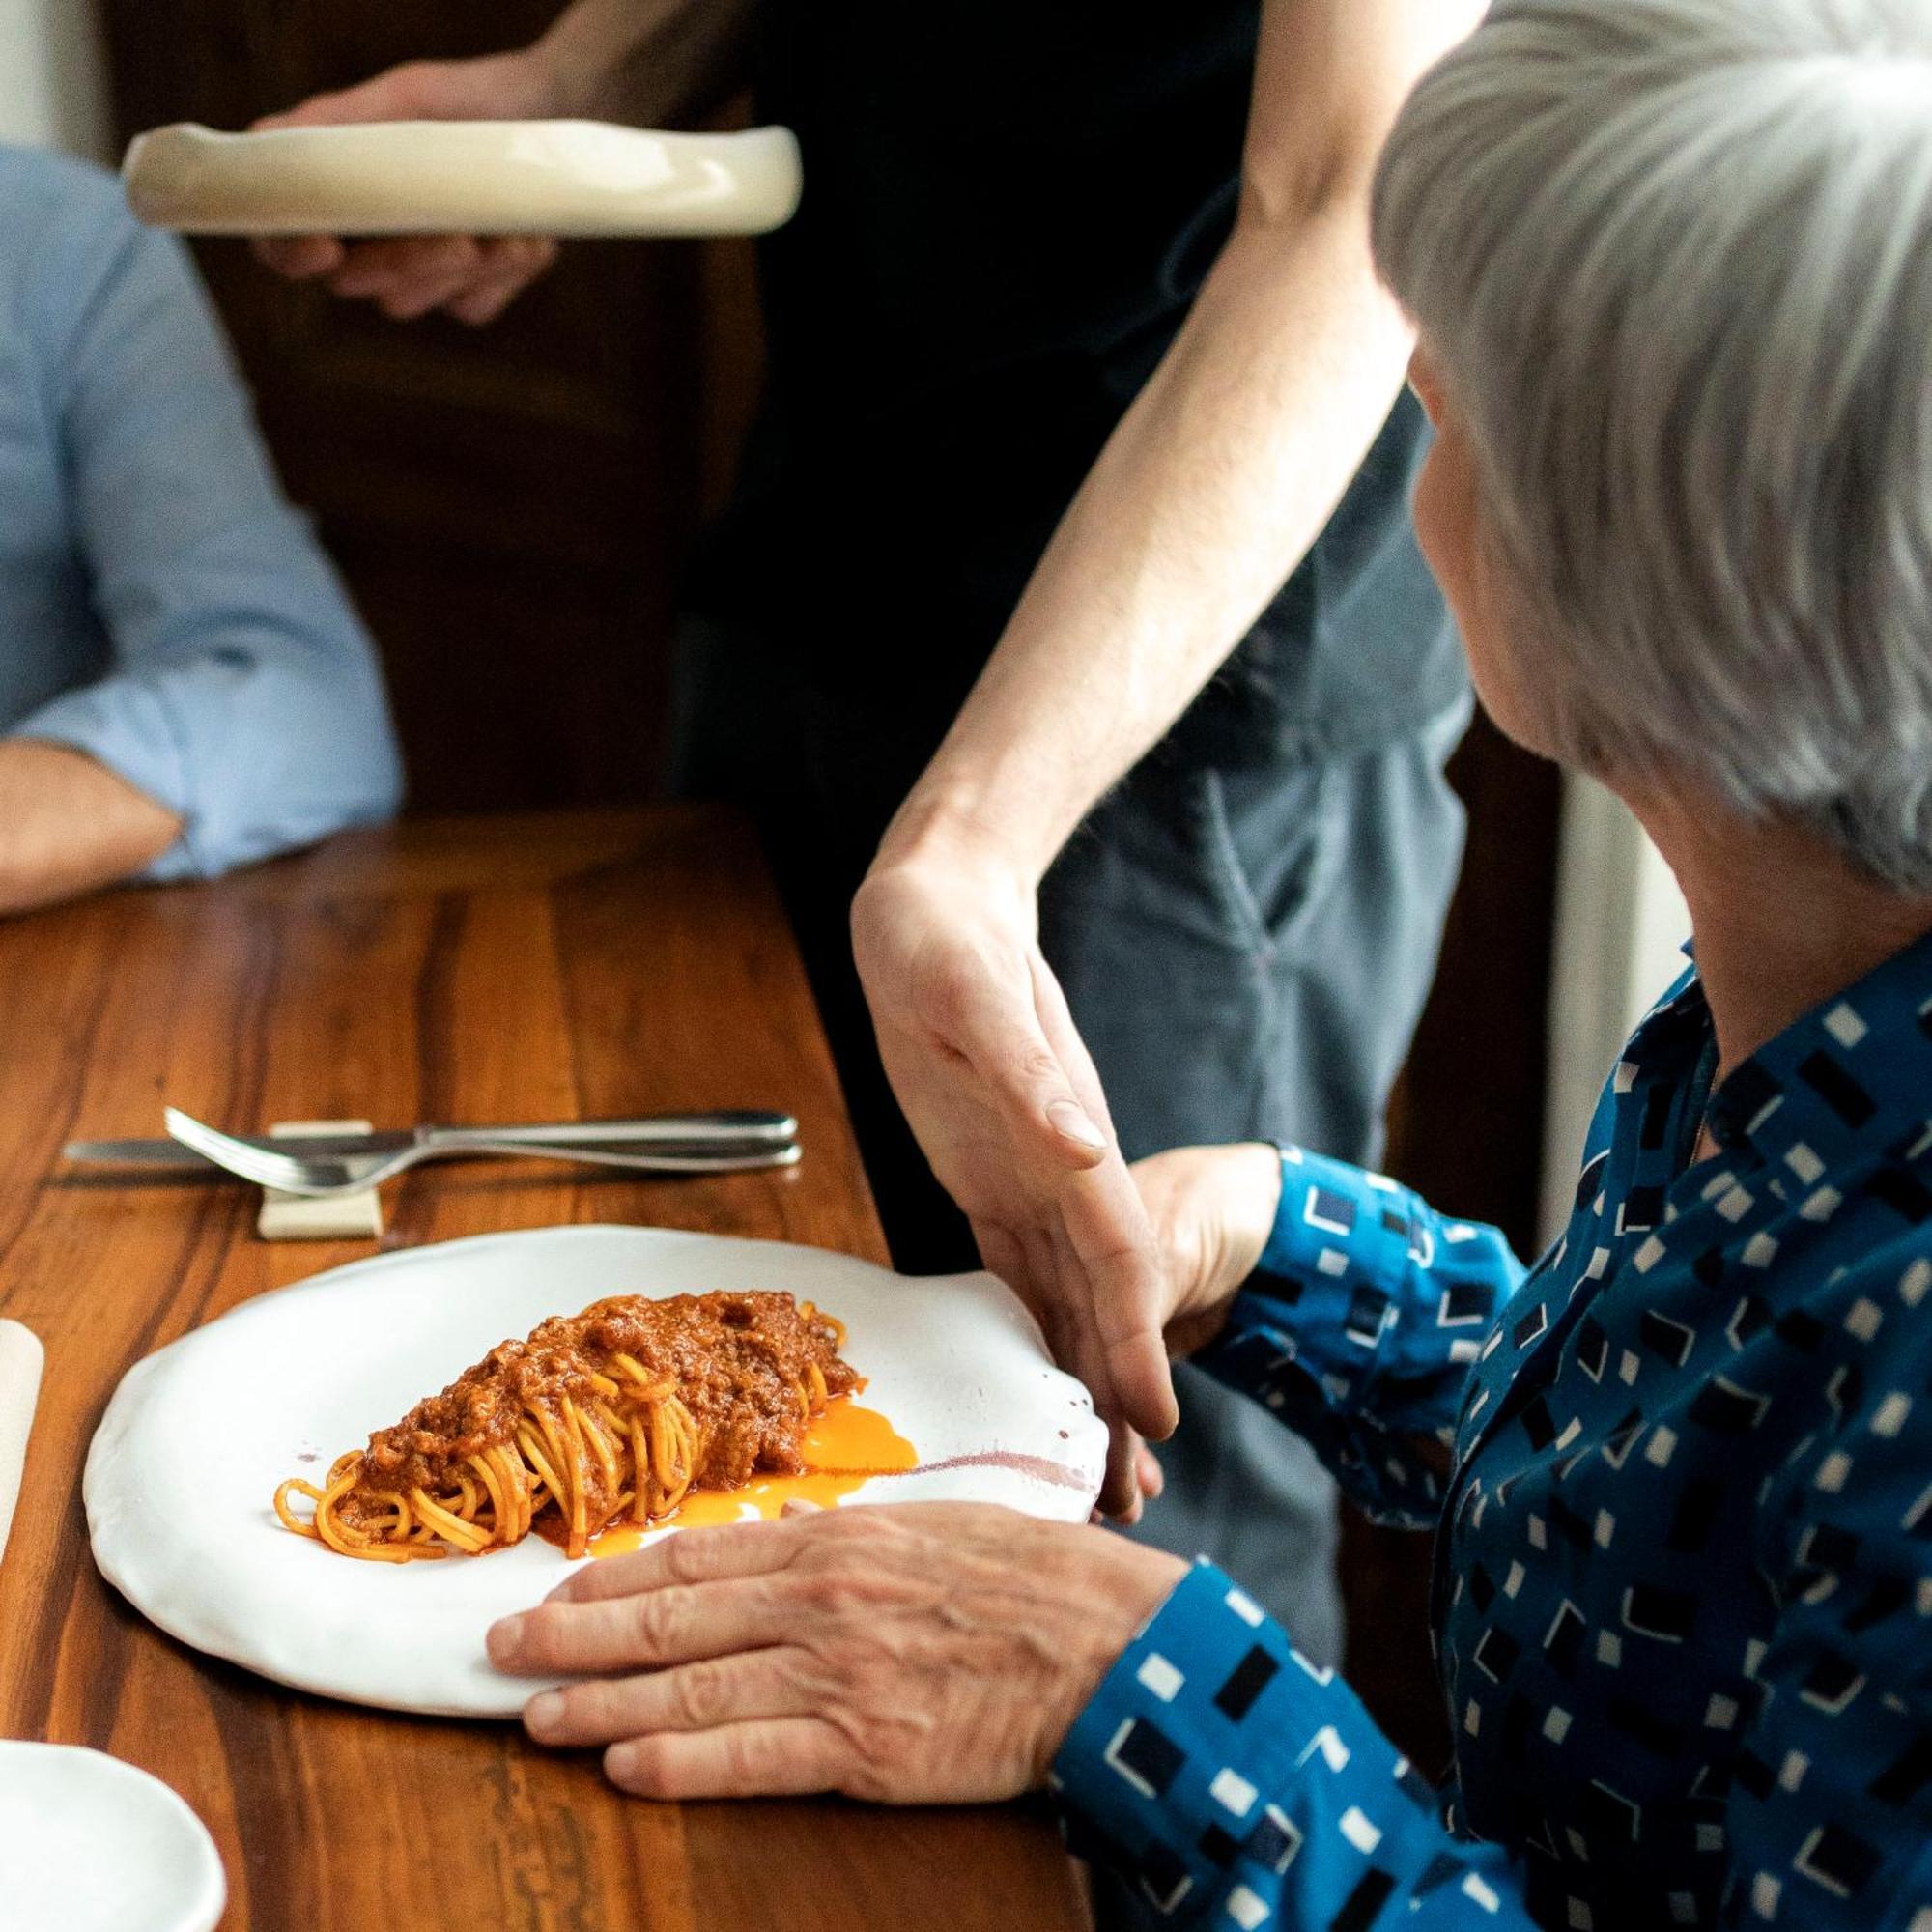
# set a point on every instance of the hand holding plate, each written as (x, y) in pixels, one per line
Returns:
(985, 1060)
(473, 277)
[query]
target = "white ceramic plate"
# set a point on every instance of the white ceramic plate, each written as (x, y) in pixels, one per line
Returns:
(576, 177)
(90, 1844)
(197, 1437)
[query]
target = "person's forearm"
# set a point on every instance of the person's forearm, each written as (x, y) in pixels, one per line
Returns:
(1212, 490)
(69, 825)
(656, 62)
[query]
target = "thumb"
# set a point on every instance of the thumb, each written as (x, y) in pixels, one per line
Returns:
(416, 91)
(994, 1026)
(1035, 1095)
(373, 100)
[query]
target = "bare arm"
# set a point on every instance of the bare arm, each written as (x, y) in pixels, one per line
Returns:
(653, 63)
(1212, 490)
(1230, 463)
(69, 825)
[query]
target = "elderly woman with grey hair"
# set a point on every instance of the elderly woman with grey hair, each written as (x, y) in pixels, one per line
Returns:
(1671, 265)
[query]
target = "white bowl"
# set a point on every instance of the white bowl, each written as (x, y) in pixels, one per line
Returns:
(90, 1844)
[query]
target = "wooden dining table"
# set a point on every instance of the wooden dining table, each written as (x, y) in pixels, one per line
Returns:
(550, 966)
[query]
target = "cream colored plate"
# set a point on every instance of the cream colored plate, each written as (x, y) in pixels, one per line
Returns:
(188, 1457)
(571, 178)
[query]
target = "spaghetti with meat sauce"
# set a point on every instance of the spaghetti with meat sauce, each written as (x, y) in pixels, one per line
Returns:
(614, 1414)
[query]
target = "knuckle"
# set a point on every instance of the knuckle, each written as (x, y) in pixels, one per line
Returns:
(1035, 1065)
(649, 1623)
(825, 1594)
(875, 1747)
(700, 1695)
(744, 1758)
(945, 1003)
(686, 1554)
(862, 1527)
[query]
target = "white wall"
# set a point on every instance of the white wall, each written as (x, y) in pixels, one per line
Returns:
(52, 79)
(1621, 924)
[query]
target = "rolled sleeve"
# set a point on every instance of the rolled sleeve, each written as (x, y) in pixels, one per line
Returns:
(1238, 1784)
(242, 692)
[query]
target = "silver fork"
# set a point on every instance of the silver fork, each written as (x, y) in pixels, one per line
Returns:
(320, 1176)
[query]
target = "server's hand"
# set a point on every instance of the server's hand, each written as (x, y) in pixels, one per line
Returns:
(984, 1058)
(473, 277)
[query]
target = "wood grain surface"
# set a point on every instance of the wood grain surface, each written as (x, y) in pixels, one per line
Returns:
(479, 969)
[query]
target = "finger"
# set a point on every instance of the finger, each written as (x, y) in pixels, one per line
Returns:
(1120, 1488)
(439, 278)
(1043, 1275)
(996, 1032)
(1084, 1350)
(686, 1556)
(397, 269)
(782, 1757)
(393, 96)
(301, 257)
(1062, 1288)
(1133, 1474)
(1153, 1478)
(649, 1629)
(1106, 1225)
(698, 1696)
(521, 261)
(1003, 1253)
(1062, 1037)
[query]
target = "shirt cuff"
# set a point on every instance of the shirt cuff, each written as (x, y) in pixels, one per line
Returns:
(125, 729)
(1209, 1753)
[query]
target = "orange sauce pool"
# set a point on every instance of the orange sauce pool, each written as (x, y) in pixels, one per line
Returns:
(843, 1450)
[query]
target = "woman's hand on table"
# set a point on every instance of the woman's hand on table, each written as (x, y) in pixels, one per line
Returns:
(917, 1654)
(996, 1084)
(1212, 1209)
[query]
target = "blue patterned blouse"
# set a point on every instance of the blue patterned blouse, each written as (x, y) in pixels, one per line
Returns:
(1682, 1478)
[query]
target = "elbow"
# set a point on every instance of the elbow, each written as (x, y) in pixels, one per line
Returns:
(1284, 194)
(390, 786)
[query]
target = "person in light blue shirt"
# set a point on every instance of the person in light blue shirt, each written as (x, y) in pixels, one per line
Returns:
(183, 685)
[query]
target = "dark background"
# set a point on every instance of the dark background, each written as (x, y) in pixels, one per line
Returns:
(512, 507)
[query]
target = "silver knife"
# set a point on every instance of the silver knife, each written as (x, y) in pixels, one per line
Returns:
(698, 1133)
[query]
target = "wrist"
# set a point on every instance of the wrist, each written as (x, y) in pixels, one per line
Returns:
(1218, 1207)
(573, 61)
(1254, 1202)
(1128, 1583)
(962, 828)
(653, 63)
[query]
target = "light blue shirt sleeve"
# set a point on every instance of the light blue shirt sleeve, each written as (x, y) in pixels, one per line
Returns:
(242, 692)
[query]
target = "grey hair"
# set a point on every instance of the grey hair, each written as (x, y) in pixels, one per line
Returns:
(1673, 258)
